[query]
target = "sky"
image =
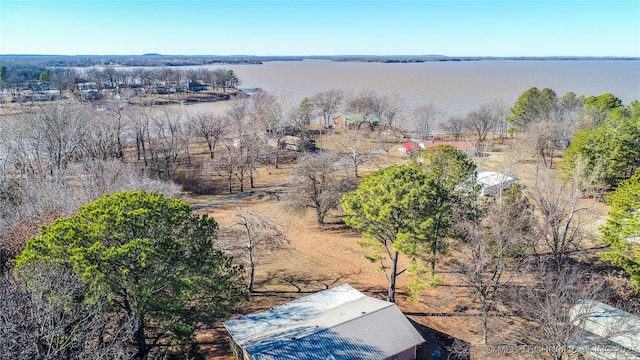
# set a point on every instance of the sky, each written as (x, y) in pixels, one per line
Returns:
(316, 27)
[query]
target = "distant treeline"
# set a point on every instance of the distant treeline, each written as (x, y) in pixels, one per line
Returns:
(20, 77)
(122, 60)
(184, 60)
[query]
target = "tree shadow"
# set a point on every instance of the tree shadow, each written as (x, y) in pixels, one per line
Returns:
(296, 285)
(440, 345)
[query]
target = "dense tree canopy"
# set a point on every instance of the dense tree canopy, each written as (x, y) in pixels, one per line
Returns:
(45, 77)
(410, 210)
(396, 209)
(455, 173)
(606, 101)
(614, 145)
(622, 230)
(449, 166)
(153, 258)
(532, 106)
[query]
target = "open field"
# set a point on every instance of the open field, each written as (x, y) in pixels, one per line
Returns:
(319, 258)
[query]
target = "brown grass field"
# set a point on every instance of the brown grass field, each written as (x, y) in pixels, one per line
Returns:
(319, 258)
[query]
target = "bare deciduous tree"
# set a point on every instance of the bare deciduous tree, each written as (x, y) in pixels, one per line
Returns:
(104, 140)
(268, 113)
(548, 138)
(58, 131)
(17, 148)
(493, 249)
(48, 315)
(139, 123)
(424, 118)
(327, 102)
(556, 131)
(252, 235)
(453, 126)
(561, 226)
(317, 183)
(549, 328)
(390, 109)
(351, 142)
(168, 137)
(211, 128)
(366, 103)
(243, 144)
(107, 177)
(485, 120)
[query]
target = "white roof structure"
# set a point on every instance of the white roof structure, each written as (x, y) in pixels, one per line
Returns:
(493, 182)
(339, 323)
(610, 333)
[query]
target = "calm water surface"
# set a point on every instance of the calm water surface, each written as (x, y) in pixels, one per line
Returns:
(455, 87)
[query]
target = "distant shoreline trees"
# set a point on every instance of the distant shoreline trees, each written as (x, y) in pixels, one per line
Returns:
(161, 80)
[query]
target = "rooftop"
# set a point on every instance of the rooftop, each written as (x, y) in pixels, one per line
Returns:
(340, 323)
(489, 178)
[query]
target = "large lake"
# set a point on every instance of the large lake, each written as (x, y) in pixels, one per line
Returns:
(455, 87)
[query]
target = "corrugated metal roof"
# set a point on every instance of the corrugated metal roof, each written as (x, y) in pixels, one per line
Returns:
(610, 323)
(492, 182)
(341, 323)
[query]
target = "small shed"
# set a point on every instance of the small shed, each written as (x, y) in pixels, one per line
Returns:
(608, 333)
(338, 323)
(493, 182)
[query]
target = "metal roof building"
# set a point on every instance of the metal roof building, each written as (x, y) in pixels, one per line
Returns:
(339, 323)
(493, 182)
(608, 332)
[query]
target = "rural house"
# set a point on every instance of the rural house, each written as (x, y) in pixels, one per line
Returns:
(338, 323)
(410, 148)
(344, 121)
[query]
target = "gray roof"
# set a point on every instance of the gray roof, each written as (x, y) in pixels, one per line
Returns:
(490, 178)
(492, 182)
(615, 328)
(339, 323)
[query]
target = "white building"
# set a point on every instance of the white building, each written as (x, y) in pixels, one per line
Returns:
(493, 182)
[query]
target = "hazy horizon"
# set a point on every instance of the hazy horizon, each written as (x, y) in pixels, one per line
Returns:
(310, 56)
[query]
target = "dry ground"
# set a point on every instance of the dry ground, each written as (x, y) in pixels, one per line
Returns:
(319, 258)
